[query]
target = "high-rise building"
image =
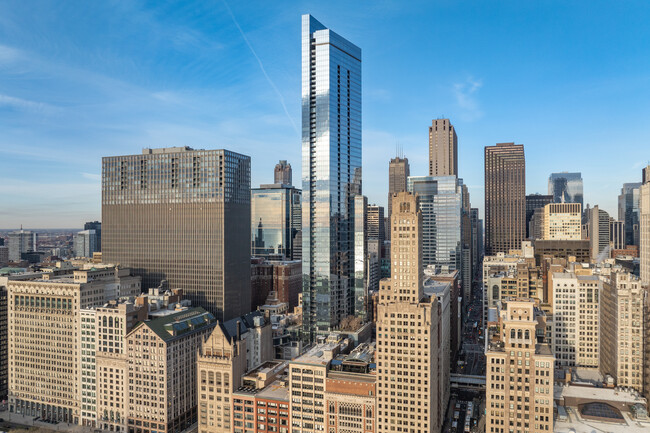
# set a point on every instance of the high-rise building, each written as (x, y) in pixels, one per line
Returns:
(375, 222)
(398, 174)
(534, 202)
(474, 223)
(85, 243)
(183, 216)
(21, 241)
(628, 211)
(4, 336)
(275, 221)
(566, 187)
(360, 256)
(97, 226)
(616, 234)
(440, 201)
(519, 372)
(407, 319)
(331, 178)
(505, 197)
(598, 233)
(4, 256)
(622, 339)
(282, 173)
(443, 148)
(562, 221)
(576, 320)
(644, 225)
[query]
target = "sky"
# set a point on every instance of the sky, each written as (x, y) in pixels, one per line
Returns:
(80, 80)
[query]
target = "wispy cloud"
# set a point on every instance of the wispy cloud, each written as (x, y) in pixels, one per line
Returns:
(465, 93)
(8, 54)
(259, 62)
(25, 104)
(92, 176)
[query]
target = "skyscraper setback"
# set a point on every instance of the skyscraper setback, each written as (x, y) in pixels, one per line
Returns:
(443, 148)
(183, 216)
(505, 197)
(331, 173)
(398, 173)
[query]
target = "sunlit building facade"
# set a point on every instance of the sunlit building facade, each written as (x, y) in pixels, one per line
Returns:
(275, 221)
(566, 187)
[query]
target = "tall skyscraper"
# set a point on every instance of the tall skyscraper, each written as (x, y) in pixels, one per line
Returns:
(398, 173)
(443, 148)
(408, 335)
(360, 255)
(97, 226)
(282, 173)
(20, 241)
(375, 221)
(505, 197)
(566, 187)
(275, 221)
(644, 224)
(331, 177)
(534, 202)
(598, 228)
(85, 243)
(628, 211)
(183, 216)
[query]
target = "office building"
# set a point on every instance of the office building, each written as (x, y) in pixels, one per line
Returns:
(4, 346)
(407, 332)
(576, 320)
(282, 173)
(182, 216)
(562, 221)
(534, 202)
(566, 188)
(275, 221)
(628, 211)
(4, 256)
(440, 201)
(97, 226)
(505, 202)
(331, 155)
(644, 225)
(375, 223)
(360, 256)
(20, 241)
(599, 235)
(622, 338)
(616, 234)
(443, 148)
(85, 243)
(519, 372)
(399, 171)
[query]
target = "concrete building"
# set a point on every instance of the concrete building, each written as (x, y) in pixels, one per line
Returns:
(628, 212)
(562, 221)
(644, 224)
(4, 345)
(360, 286)
(47, 308)
(566, 188)
(622, 339)
(408, 337)
(85, 243)
(97, 226)
(375, 224)
(519, 372)
(4, 256)
(577, 250)
(443, 148)
(331, 154)
(616, 235)
(534, 202)
(598, 233)
(576, 320)
(276, 221)
(399, 171)
(170, 207)
(20, 241)
(505, 197)
(282, 173)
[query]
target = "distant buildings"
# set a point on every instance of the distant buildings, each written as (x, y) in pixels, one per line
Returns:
(183, 216)
(562, 221)
(275, 222)
(443, 148)
(628, 211)
(533, 203)
(644, 224)
(398, 174)
(331, 153)
(282, 173)
(566, 188)
(505, 197)
(97, 226)
(85, 243)
(598, 228)
(21, 241)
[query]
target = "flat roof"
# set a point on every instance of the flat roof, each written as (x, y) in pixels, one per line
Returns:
(576, 424)
(275, 391)
(595, 393)
(316, 354)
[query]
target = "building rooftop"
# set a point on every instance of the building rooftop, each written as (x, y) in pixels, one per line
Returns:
(275, 391)
(575, 423)
(593, 393)
(180, 323)
(321, 354)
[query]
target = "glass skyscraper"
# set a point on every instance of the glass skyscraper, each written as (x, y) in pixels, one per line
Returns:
(275, 221)
(331, 174)
(440, 199)
(566, 188)
(628, 211)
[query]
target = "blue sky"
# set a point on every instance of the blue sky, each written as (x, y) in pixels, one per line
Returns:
(80, 80)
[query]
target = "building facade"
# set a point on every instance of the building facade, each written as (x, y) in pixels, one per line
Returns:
(275, 221)
(505, 197)
(331, 164)
(85, 243)
(562, 221)
(443, 148)
(282, 173)
(183, 216)
(566, 187)
(20, 241)
(534, 202)
(598, 228)
(628, 211)
(644, 225)
(399, 171)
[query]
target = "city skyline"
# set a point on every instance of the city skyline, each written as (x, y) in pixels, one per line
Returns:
(64, 86)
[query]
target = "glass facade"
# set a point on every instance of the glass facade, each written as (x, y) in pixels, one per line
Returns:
(331, 173)
(440, 200)
(628, 211)
(566, 188)
(275, 221)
